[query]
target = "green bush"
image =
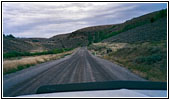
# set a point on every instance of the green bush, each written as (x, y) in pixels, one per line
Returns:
(19, 54)
(160, 14)
(149, 59)
(152, 19)
(9, 36)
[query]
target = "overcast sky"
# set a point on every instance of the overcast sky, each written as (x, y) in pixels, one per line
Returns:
(35, 19)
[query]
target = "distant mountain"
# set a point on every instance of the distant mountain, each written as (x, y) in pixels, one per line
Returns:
(151, 26)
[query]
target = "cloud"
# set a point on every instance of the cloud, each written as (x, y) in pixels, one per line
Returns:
(45, 19)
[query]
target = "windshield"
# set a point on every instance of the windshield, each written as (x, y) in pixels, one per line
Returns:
(108, 46)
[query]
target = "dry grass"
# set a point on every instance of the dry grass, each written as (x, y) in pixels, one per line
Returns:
(113, 46)
(147, 60)
(12, 65)
(100, 49)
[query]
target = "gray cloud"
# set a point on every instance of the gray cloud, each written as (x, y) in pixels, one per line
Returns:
(48, 19)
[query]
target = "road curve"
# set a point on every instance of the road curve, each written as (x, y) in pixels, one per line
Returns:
(79, 67)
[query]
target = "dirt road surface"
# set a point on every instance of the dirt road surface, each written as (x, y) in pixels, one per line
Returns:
(79, 67)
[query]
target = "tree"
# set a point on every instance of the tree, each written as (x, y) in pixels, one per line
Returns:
(10, 36)
(152, 19)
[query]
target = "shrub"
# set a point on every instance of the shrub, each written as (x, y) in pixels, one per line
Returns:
(19, 54)
(149, 59)
(10, 36)
(152, 19)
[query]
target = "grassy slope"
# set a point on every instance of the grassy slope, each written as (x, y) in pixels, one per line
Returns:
(99, 33)
(147, 59)
(13, 44)
(155, 31)
(146, 53)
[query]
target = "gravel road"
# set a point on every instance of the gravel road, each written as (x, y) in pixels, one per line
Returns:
(79, 67)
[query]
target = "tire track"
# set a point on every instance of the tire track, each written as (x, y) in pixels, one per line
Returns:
(80, 67)
(41, 79)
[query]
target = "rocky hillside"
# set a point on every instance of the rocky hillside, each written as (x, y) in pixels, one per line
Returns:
(150, 22)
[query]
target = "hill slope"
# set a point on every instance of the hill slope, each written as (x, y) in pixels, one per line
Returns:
(85, 36)
(155, 31)
(142, 49)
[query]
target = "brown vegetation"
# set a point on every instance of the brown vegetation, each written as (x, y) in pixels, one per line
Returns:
(148, 60)
(12, 65)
